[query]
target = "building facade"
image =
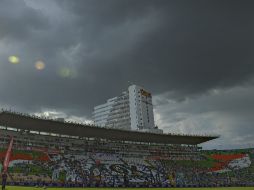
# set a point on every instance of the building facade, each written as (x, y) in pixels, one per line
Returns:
(132, 110)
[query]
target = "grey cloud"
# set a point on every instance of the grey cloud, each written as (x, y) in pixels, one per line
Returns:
(17, 21)
(228, 113)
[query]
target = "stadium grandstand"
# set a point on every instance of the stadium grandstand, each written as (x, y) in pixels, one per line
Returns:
(39, 151)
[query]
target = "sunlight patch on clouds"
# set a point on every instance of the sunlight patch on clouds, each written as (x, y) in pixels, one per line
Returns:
(54, 114)
(79, 120)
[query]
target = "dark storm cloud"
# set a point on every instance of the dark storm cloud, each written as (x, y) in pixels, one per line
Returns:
(185, 48)
(19, 23)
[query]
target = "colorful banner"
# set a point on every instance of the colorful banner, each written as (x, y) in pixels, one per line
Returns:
(8, 156)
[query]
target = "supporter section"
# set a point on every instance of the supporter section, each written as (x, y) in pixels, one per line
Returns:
(55, 160)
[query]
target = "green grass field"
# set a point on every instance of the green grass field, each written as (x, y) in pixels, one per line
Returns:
(217, 188)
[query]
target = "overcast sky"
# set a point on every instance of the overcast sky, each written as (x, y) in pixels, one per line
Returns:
(196, 57)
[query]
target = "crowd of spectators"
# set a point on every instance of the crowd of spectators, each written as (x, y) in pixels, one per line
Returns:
(100, 162)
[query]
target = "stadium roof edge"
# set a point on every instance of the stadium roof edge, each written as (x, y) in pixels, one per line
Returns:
(34, 123)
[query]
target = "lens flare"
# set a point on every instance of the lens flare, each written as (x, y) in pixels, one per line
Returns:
(66, 72)
(39, 65)
(13, 59)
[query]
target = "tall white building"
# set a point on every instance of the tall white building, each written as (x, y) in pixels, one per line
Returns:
(132, 110)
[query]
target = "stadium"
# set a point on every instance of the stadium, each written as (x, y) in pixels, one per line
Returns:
(44, 152)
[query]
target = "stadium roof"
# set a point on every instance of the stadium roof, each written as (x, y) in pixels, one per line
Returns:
(34, 123)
